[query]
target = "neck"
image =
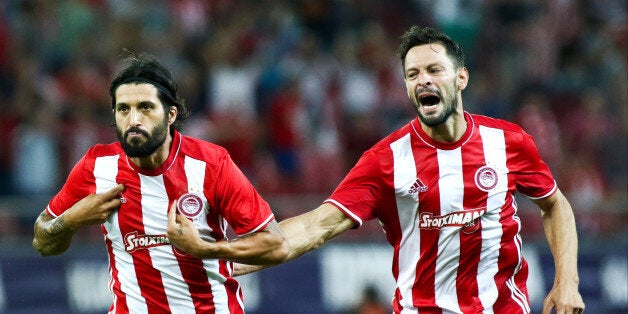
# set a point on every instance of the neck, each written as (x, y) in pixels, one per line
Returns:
(157, 158)
(452, 130)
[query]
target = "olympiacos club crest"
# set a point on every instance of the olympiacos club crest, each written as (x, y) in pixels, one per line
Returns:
(190, 205)
(486, 178)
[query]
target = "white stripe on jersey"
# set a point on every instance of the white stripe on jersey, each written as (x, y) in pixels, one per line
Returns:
(105, 172)
(494, 147)
(451, 189)
(154, 216)
(195, 174)
(409, 246)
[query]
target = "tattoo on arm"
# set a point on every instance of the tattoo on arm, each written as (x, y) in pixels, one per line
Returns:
(52, 235)
(273, 226)
(242, 237)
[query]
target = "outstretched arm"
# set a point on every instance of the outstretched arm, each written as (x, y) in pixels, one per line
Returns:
(307, 232)
(560, 230)
(262, 247)
(54, 235)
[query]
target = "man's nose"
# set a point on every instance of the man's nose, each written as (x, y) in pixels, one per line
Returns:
(424, 79)
(135, 117)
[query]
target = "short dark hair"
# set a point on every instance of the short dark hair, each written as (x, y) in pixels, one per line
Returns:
(417, 36)
(144, 68)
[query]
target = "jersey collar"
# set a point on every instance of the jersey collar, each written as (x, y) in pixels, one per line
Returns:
(416, 126)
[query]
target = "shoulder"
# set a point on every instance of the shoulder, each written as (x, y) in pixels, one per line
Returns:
(516, 138)
(203, 150)
(513, 133)
(104, 150)
(495, 123)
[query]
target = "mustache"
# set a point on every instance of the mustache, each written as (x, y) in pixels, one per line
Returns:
(428, 90)
(136, 130)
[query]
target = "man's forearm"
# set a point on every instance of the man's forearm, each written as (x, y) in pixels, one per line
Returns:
(307, 232)
(560, 230)
(52, 235)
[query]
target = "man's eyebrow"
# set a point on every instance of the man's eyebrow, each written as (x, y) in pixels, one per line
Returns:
(431, 65)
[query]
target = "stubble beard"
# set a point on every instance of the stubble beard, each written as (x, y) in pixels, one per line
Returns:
(448, 110)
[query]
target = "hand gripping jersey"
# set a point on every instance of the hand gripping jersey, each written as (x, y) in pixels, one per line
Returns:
(448, 210)
(148, 275)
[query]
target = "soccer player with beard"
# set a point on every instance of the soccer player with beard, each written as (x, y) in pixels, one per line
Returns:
(150, 187)
(443, 188)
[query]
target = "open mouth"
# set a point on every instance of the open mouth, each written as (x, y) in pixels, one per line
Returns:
(428, 98)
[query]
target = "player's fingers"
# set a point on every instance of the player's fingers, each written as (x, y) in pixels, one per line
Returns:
(183, 221)
(112, 204)
(113, 192)
(547, 307)
(172, 213)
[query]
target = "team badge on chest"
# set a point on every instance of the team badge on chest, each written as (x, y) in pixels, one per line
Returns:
(486, 178)
(190, 205)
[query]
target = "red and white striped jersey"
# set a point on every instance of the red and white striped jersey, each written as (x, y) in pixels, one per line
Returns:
(448, 210)
(148, 275)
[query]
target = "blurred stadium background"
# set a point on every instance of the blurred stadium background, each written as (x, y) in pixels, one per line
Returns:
(296, 90)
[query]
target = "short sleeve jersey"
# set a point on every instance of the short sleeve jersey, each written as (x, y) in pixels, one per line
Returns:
(449, 211)
(148, 275)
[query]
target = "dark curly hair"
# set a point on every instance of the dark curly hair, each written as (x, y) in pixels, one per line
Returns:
(417, 36)
(144, 68)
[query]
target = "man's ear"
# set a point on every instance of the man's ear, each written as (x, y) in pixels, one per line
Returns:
(172, 114)
(463, 78)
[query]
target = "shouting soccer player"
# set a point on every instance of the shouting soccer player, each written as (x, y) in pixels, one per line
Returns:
(443, 187)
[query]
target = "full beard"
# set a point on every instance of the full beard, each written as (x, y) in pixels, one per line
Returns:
(432, 121)
(137, 148)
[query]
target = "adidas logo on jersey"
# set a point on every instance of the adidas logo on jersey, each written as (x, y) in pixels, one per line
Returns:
(417, 187)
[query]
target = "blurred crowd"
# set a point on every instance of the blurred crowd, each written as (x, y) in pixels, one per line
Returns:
(297, 90)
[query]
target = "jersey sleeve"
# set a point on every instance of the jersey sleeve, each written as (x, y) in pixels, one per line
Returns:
(76, 187)
(238, 201)
(533, 177)
(360, 191)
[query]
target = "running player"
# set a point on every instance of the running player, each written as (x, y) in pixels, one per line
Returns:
(443, 187)
(132, 188)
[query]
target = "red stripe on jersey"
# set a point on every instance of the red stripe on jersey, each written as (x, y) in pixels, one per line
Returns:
(118, 305)
(424, 294)
(470, 236)
(234, 293)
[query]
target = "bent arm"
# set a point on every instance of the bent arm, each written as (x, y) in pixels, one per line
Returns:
(307, 232)
(52, 235)
(560, 229)
(261, 247)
